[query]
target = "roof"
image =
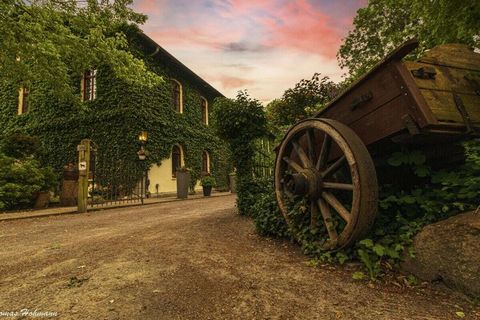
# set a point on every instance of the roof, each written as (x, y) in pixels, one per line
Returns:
(158, 51)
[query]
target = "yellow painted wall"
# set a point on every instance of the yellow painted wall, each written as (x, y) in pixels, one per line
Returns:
(162, 174)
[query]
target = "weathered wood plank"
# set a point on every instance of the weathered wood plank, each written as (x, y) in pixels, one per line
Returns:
(419, 109)
(383, 87)
(443, 106)
(446, 78)
(383, 122)
(453, 55)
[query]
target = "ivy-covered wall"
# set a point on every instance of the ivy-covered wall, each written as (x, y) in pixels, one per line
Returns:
(115, 118)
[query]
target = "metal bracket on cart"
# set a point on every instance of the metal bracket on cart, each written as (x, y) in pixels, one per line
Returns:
(465, 116)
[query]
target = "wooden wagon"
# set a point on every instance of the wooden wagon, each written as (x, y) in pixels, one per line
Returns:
(435, 100)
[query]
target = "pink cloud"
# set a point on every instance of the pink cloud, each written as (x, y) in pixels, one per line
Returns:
(232, 82)
(208, 35)
(150, 6)
(298, 25)
(241, 7)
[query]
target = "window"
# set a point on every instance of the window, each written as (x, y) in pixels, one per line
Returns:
(204, 108)
(177, 96)
(23, 100)
(89, 85)
(176, 159)
(205, 162)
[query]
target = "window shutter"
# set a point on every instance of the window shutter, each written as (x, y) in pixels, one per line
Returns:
(82, 87)
(20, 101)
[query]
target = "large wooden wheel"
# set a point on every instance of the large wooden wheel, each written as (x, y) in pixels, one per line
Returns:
(325, 164)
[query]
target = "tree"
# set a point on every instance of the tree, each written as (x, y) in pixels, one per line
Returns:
(385, 24)
(49, 40)
(302, 101)
(240, 122)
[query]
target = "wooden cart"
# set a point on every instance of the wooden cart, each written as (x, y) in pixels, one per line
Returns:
(328, 158)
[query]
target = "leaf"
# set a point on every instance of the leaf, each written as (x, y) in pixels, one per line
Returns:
(379, 250)
(341, 257)
(367, 243)
(397, 159)
(422, 171)
(417, 158)
(460, 314)
(358, 275)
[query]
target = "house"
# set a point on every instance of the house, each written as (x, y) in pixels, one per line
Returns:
(111, 112)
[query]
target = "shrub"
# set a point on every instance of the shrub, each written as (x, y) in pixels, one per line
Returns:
(19, 146)
(20, 180)
(268, 219)
(208, 181)
(239, 122)
(429, 196)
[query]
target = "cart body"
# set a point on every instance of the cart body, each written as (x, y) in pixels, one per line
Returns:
(429, 100)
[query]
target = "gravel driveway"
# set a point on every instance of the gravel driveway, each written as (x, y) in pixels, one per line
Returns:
(193, 259)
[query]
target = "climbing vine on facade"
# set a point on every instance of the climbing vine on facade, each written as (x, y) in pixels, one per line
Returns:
(114, 119)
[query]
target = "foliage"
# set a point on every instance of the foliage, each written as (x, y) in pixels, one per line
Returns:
(21, 179)
(208, 181)
(302, 101)
(48, 40)
(239, 122)
(20, 146)
(425, 195)
(265, 212)
(114, 119)
(385, 24)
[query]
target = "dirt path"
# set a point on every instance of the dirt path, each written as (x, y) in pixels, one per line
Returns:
(186, 260)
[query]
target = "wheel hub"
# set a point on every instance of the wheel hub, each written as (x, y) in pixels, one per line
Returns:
(305, 183)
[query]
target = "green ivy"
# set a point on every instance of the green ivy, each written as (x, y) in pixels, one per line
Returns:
(426, 196)
(239, 122)
(20, 179)
(115, 118)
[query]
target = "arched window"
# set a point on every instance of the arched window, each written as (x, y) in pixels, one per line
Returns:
(177, 96)
(89, 85)
(205, 162)
(176, 159)
(204, 109)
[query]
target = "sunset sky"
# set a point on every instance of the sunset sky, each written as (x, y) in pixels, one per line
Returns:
(264, 46)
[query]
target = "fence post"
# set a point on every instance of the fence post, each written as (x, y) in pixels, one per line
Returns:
(83, 169)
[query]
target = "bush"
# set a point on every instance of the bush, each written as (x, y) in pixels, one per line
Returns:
(239, 122)
(268, 219)
(404, 209)
(208, 181)
(20, 180)
(20, 146)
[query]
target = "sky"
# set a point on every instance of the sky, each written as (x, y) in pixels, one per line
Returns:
(264, 46)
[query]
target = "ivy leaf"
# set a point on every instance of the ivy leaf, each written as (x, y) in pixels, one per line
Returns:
(358, 275)
(422, 171)
(341, 257)
(397, 159)
(367, 243)
(379, 250)
(417, 158)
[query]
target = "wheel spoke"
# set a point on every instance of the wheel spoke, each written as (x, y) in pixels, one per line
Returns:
(334, 167)
(302, 155)
(311, 145)
(313, 215)
(338, 186)
(327, 219)
(295, 166)
(325, 152)
(341, 210)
